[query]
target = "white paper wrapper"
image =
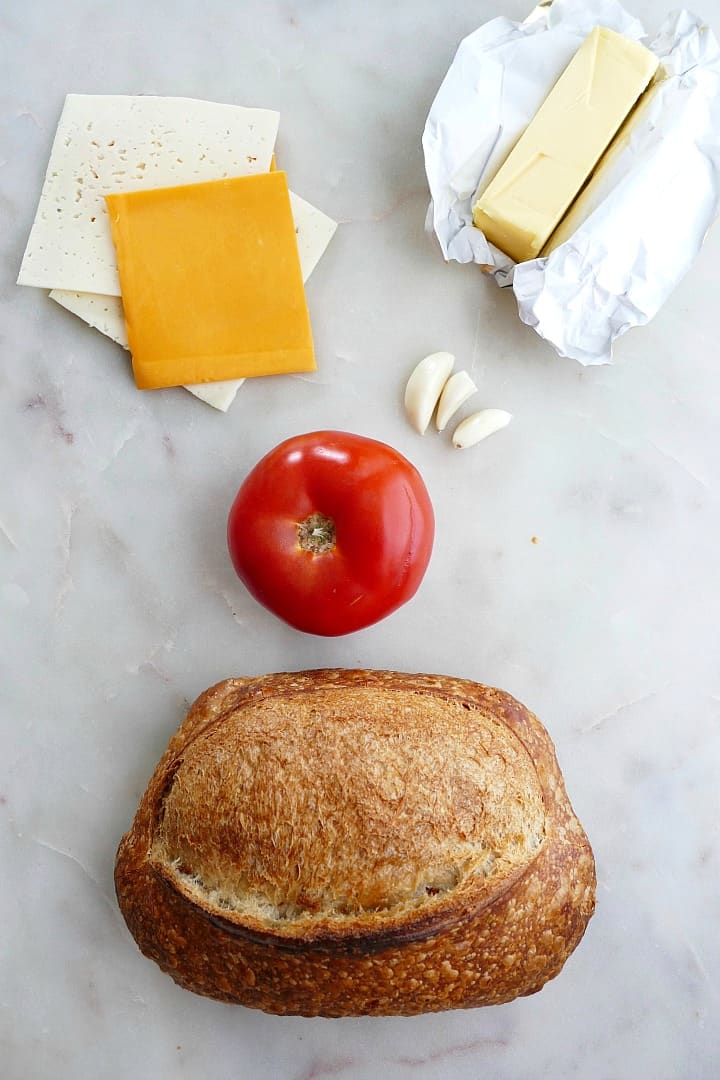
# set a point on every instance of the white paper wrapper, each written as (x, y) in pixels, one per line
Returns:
(636, 229)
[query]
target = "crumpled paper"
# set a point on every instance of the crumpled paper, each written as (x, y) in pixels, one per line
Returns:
(636, 229)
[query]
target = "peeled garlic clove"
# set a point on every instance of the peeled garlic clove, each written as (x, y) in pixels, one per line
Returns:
(479, 426)
(456, 391)
(424, 388)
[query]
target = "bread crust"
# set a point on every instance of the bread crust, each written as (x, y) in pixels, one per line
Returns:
(482, 943)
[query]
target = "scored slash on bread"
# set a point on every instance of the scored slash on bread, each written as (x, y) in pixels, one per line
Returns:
(357, 842)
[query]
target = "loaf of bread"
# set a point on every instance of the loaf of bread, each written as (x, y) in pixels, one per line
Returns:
(338, 843)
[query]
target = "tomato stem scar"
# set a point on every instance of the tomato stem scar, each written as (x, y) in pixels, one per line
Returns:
(316, 534)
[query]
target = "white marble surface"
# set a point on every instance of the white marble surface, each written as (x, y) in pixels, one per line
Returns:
(118, 603)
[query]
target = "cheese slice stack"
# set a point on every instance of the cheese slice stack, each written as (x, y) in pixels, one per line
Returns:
(525, 202)
(109, 143)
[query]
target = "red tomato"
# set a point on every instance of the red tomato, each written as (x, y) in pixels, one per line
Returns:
(332, 531)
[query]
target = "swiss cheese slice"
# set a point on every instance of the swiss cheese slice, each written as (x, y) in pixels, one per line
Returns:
(555, 155)
(313, 230)
(211, 281)
(107, 143)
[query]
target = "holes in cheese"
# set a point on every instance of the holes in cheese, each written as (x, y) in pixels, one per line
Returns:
(211, 281)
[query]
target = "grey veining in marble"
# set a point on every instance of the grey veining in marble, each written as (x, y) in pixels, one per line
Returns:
(118, 604)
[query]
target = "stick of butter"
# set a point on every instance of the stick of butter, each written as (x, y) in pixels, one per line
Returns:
(552, 160)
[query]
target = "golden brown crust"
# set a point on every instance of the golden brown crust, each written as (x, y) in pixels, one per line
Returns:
(484, 939)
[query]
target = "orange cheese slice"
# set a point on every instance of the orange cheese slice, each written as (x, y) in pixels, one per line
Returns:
(211, 281)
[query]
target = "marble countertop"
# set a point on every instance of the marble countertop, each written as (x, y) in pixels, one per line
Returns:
(118, 604)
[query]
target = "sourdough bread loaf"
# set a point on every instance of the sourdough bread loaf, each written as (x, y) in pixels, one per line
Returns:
(342, 842)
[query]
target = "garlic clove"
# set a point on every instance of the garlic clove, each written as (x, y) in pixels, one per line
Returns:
(479, 426)
(456, 392)
(424, 388)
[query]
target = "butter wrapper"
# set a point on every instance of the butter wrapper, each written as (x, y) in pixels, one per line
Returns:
(636, 228)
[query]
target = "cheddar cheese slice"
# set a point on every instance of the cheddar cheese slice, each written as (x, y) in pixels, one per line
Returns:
(211, 282)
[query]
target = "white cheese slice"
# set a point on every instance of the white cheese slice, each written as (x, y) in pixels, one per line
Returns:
(103, 313)
(107, 143)
(314, 231)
